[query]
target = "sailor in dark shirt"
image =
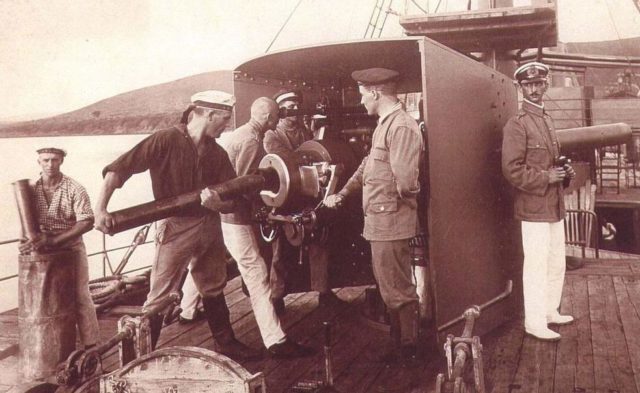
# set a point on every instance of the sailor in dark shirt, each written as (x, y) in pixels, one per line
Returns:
(181, 159)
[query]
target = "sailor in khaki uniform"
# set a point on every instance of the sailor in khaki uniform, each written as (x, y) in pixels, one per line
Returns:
(529, 149)
(288, 135)
(290, 132)
(388, 177)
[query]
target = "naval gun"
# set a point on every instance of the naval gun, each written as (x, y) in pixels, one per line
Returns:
(473, 240)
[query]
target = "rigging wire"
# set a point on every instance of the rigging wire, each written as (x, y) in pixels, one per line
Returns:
(437, 6)
(615, 27)
(283, 26)
(418, 5)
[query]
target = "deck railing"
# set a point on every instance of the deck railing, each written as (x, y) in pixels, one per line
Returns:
(104, 252)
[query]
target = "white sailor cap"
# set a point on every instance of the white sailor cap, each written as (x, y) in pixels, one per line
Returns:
(53, 150)
(288, 95)
(214, 99)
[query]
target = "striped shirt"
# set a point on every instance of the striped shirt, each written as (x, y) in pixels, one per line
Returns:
(69, 204)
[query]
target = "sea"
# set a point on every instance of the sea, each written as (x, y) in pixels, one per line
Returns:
(86, 157)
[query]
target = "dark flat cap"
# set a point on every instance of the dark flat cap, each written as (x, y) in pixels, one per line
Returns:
(374, 76)
(531, 72)
(53, 150)
(288, 95)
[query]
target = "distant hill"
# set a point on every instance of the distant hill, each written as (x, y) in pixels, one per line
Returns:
(139, 111)
(144, 110)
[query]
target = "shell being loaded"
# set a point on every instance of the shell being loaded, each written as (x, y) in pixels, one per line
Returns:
(46, 312)
(283, 181)
(146, 213)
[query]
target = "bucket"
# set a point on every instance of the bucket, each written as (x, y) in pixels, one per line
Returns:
(46, 312)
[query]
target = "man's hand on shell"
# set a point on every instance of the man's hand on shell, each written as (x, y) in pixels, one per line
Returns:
(103, 221)
(211, 200)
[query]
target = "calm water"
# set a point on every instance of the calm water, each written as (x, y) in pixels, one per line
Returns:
(86, 156)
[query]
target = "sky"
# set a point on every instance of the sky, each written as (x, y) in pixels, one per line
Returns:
(61, 55)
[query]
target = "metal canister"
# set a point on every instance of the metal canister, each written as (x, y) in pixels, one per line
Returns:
(46, 312)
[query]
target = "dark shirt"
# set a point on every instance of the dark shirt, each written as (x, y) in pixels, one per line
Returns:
(172, 160)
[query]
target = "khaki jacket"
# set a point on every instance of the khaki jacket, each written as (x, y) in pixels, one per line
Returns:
(388, 177)
(529, 146)
(282, 142)
(245, 150)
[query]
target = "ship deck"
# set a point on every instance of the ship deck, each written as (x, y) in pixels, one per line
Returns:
(600, 352)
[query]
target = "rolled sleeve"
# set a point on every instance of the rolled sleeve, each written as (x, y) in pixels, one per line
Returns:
(136, 160)
(82, 204)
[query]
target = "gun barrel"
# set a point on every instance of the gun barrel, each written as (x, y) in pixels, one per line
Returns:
(146, 213)
(594, 136)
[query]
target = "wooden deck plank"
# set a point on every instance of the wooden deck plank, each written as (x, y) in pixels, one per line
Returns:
(366, 370)
(233, 294)
(611, 267)
(348, 364)
(584, 377)
(536, 368)
(608, 291)
(501, 354)
(602, 272)
(301, 322)
(567, 349)
(612, 367)
(310, 332)
(628, 294)
(9, 371)
(245, 328)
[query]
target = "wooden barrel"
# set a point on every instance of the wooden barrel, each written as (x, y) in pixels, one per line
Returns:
(46, 312)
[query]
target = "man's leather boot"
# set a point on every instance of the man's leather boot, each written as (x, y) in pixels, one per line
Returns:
(392, 355)
(155, 327)
(402, 374)
(409, 317)
(225, 342)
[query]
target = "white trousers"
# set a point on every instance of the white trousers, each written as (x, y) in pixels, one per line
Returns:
(543, 271)
(243, 247)
(420, 278)
(190, 298)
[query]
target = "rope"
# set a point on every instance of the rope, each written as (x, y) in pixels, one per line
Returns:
(615, 27)
(420, 8)
(437, 6)
(283, 25)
